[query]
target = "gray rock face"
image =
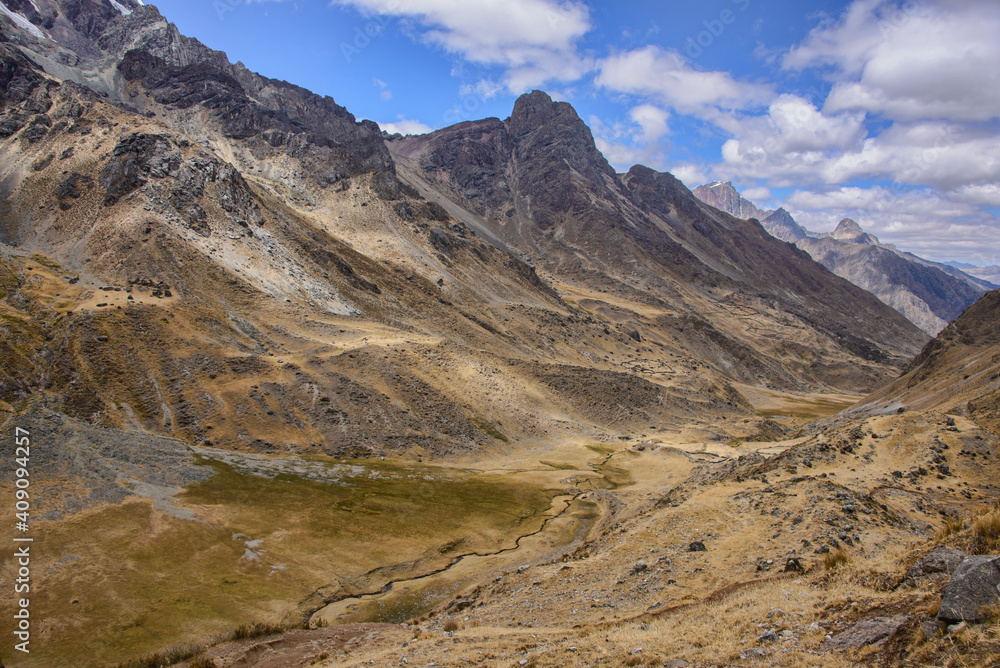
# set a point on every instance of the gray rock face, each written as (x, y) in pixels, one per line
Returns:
(135, 158)
(781, 225)
(723, 196)
(867, 632)
(140, 157)
(928, 294)
(974, 584)
(848, 230)
(941, 559)
(107, 465)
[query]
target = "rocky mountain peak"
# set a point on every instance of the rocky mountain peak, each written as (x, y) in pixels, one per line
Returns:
(536, 109)
(725, 187)
(548, 130)
(723, 196)
(530, 111)
(781, 225)
(847, 229)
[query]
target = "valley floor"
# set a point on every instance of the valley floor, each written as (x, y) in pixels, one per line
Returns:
(636, 594)
(670, 547)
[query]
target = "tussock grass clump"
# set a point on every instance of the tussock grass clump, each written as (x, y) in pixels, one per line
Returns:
(161, 659)
(933, 608)
(951, 526)
(255, 630)
(204, 663)
(986, 533)
(833, 560)
(991, 613)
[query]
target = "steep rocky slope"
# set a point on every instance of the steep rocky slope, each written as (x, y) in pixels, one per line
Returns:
(537, 181)
(928, 294)
(252, 247)
(958, 372)
(781, 225)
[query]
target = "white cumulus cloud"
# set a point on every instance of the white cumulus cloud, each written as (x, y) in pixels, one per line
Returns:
(652, 120)
(666, 77)
(406, 127)
(534, 40)
(927, 59)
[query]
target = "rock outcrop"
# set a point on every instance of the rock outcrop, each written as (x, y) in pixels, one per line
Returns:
(723, 196)
(974, 586)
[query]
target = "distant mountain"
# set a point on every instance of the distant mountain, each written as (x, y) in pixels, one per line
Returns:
(782, 226)
(991, 274)
(927, 293)
(723, 196)
(975, 281)
(849, 231)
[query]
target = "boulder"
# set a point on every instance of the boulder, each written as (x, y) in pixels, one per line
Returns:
(794, 565)
(974, 584)
(867, 632)
(941, 559)
(697, 546)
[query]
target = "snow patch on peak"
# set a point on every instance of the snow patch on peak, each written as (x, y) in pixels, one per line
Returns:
(22, 22)
(121, 8)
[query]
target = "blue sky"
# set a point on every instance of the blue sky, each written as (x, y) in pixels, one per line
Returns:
(886, 111)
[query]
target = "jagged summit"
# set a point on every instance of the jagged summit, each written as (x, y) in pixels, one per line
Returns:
(927, 293)
(782, 226)
(848, 230)
(723, 196)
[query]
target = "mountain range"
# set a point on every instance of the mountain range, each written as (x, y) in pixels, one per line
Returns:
(302, 392)
(929, 294)
(258, 202)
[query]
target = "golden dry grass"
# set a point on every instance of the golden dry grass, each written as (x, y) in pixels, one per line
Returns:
(986, 533)
(952, 526)
(835, 559)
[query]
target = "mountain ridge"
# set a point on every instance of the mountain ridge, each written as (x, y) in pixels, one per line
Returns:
(605, 205)
(927, 293)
